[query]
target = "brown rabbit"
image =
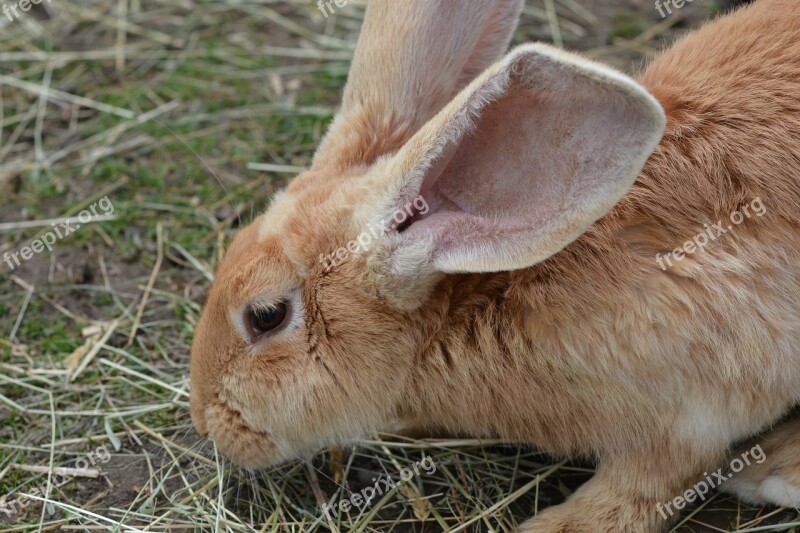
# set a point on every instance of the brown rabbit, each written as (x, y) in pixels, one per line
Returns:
(512, 250)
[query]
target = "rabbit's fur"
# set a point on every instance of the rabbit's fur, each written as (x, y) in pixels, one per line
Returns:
(509, 310)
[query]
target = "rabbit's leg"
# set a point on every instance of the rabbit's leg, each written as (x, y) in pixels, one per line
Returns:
(639, 494)
(773, 474)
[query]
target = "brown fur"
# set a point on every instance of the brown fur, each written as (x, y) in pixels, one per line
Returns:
(595, 352)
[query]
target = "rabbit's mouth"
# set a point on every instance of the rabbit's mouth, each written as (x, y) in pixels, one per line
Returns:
(246, 446)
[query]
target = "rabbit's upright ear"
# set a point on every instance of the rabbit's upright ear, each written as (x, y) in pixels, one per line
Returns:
(517, 166)
(412, 57)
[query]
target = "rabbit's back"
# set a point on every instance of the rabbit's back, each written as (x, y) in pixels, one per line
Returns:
(731, 92)
(688, 292)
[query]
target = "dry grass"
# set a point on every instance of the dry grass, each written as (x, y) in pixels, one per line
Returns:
(187, 115)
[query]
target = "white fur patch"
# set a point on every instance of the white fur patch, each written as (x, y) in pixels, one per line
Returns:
(700, 421)
(774, 490)
(777, 490)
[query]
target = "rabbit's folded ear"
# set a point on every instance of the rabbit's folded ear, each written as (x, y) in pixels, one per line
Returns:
(518, 165)
(412, 57)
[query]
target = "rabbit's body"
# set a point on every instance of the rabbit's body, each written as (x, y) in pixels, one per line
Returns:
(643, 347)
(593, 349)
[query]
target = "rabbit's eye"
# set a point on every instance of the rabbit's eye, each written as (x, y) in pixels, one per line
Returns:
(261, 320)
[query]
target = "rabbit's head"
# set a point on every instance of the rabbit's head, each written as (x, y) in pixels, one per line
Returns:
(440, 162)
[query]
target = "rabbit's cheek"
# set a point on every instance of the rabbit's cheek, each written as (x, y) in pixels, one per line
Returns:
(246, 446)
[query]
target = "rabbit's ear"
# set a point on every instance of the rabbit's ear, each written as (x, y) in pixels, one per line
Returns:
(412, 57)
(517, 166)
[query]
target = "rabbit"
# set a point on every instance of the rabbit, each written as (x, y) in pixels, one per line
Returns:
(507, 245)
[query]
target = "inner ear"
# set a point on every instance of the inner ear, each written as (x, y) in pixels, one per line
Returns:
(506, 164)
(522, 162)
(504, 167)
(490, 171)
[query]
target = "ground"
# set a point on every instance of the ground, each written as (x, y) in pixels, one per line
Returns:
(177, 120)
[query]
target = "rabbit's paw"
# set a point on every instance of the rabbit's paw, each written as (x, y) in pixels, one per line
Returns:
(771, 468)
(610, 502)
(577, 516)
